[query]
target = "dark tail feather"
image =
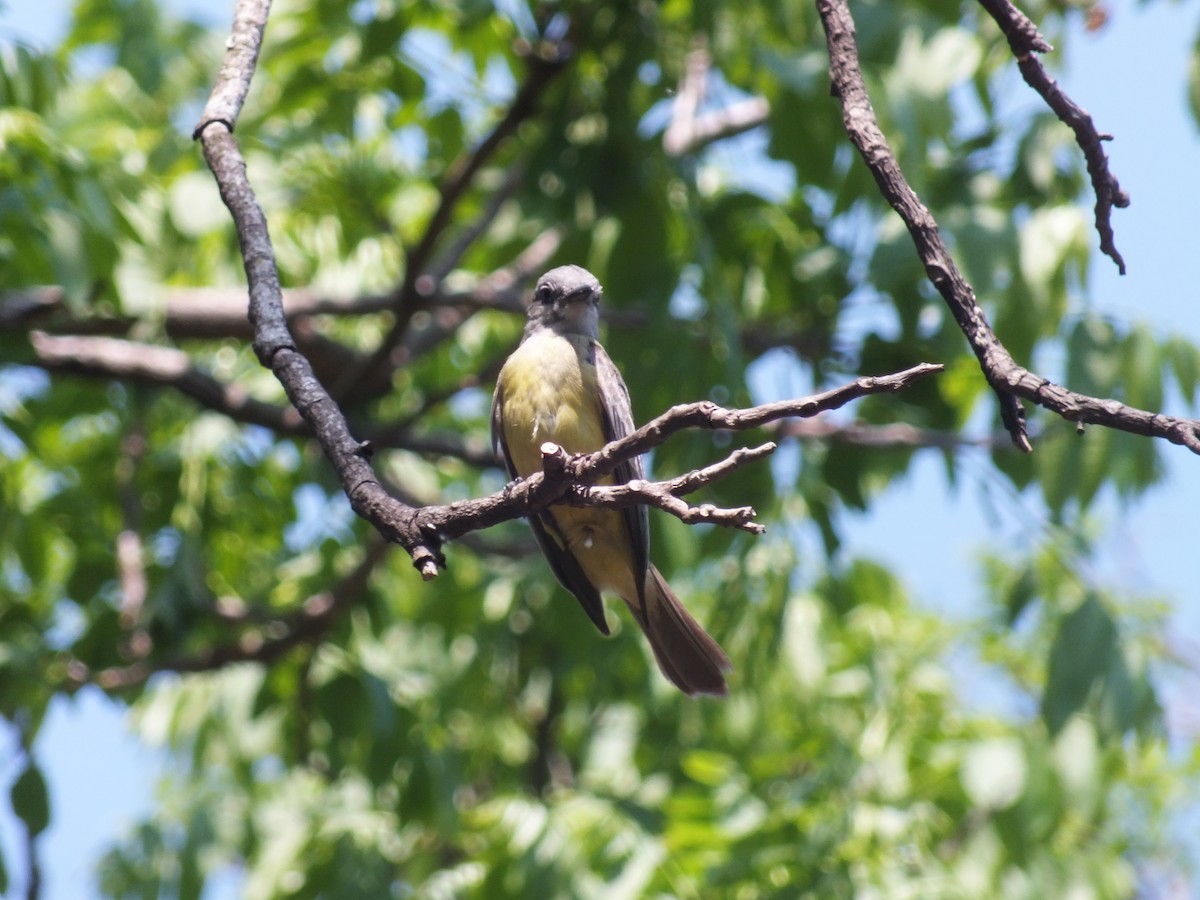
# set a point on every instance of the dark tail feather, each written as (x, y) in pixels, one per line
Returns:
(685, 652)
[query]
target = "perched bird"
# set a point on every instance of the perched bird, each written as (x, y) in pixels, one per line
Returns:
(559, 385)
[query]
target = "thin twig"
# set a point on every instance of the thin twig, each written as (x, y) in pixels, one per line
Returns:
(705, 414)
(892, 434)
(1010, 381)
(263, 644)
(1025, 41)
(665, 495)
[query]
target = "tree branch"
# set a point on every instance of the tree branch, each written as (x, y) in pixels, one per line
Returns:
(689, 129)
(167, 367)
(413, 293)
(263, 644)
(422, 531)
(1010, 381)
(665, 495)
(140, 363)
(1025, 40)
(895, 434)
(571, 478)
(705, 414)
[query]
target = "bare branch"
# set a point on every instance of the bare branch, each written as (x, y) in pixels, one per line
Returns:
(743, 456)
(895, 434)
(1025, 41)
(241, 56)
(417, 287)
(160, 366)
(422, 531)
(1023, 36)
(1010, 381)
(273, 343)
(689, 129)
(167, 367)
(665, 495)
(705, 414)
(265, 643)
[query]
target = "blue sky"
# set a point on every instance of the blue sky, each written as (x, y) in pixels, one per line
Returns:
(1132, 78)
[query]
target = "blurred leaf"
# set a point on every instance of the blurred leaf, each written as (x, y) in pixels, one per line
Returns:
(1194, 80)
(30, 799)
(1184, 359)
(1081, 653)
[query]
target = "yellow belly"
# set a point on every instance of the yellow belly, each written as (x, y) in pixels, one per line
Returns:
(550, 393)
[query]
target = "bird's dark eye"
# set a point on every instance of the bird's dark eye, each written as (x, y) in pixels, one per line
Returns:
(543, 294)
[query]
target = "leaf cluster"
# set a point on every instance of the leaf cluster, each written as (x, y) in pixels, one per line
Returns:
(472, 736)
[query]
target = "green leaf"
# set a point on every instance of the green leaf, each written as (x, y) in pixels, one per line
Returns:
(30, 799)
(1020, 593)
(1142, 366)
(1094, 360)
(708, 767)
(1184, 358)
(1080, 654)
(1119, 706)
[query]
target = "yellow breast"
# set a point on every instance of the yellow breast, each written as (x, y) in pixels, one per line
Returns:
(549, 394)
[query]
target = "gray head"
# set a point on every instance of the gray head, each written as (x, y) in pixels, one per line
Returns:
(566, 299)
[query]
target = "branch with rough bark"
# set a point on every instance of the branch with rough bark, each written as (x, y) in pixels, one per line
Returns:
(665, 495)
(423, 530)
(1011, 382)
(1026, 41)
(214, 313)
(571, 479)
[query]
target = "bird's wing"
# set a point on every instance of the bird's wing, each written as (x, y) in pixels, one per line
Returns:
(618, 422)
(562, 562)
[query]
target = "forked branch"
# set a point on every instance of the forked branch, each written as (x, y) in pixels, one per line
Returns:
(1011, 382)
(422, 530)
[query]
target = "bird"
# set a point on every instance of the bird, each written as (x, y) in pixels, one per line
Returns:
(560, 386)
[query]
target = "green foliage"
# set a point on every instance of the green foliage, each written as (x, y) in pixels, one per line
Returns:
(473, 736)
(30, 800)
